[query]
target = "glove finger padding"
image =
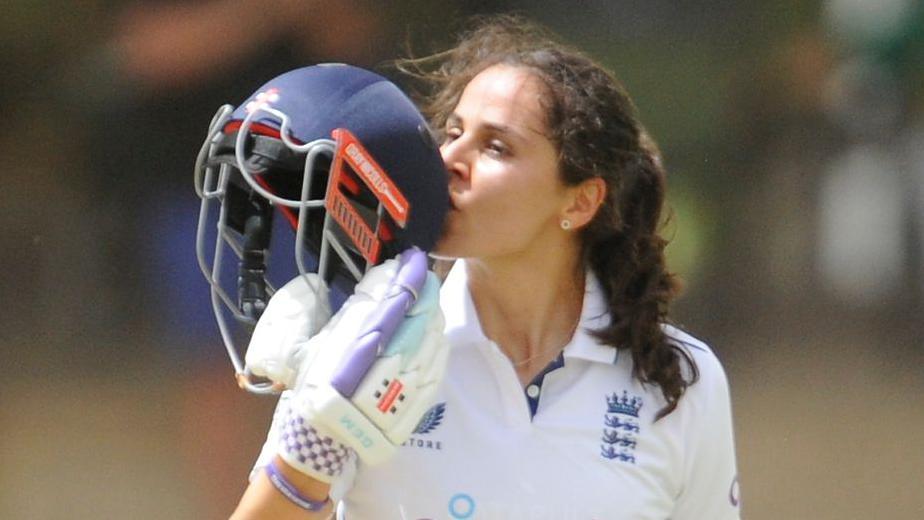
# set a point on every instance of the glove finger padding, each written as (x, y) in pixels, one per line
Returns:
(371, 373)
(295, 313)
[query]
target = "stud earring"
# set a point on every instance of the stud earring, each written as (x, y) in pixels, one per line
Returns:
(565, 224)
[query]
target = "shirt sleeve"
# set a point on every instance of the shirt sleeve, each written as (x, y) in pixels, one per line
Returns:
(710, 484)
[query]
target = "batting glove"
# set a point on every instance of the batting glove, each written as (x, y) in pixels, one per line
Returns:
(294, 314)
(364, 381)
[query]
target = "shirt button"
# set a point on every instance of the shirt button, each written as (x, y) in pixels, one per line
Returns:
(532, 391)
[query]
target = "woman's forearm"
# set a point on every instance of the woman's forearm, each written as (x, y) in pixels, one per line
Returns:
(262, 500)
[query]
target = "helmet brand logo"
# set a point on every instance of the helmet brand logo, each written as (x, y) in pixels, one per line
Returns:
(351, 155)
(373, 175)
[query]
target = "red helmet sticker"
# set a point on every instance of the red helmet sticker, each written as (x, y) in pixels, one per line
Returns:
(373, 175)
(351, 221)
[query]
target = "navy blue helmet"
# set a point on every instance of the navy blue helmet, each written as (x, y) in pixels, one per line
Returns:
(342, 157)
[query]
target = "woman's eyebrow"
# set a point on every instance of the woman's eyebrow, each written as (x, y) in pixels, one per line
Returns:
(490, 126)
(518, 132)
(500, 128)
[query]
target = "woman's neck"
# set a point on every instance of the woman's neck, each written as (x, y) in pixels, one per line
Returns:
(529, 308)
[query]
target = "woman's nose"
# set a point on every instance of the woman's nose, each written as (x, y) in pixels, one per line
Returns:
(455, 159)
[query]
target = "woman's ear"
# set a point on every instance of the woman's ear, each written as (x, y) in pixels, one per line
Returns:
(585, 200)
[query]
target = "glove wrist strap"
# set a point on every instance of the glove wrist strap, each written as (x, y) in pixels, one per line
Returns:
(289, 491)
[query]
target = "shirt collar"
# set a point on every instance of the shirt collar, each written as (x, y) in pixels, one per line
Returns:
(594, 316)
(463, 327)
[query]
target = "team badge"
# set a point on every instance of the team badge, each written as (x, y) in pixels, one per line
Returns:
(431, 419)
(620, 427)
(429, 422)
(263, 99)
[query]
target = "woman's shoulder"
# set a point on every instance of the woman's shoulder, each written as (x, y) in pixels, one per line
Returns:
(709, 370)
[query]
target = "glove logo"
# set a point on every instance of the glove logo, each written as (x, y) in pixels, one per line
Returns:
(356, 431)
(392, 392)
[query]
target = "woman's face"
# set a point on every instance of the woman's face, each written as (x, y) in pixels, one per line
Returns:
(504, 186)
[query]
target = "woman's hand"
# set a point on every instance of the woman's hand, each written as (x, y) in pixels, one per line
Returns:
(356, 388)
(369, 375)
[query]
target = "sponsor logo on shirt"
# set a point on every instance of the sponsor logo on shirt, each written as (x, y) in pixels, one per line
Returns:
(428, 423)
(734, 493)
(620, 427)
(464, 506)
(461, 505)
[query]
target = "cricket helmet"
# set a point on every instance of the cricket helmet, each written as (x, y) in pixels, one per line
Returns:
(340, 154)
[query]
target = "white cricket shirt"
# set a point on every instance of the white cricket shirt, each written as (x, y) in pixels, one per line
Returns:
(579, 443)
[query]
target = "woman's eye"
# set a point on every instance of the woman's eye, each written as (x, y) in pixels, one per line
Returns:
(495, 147)
(451, 134)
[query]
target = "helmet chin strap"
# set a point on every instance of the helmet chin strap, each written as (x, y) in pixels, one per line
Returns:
(251, 278)
(313, 150)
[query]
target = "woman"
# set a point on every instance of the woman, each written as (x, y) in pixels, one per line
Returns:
(567, 394)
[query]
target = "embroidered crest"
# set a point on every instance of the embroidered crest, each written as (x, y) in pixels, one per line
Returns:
(620, 427)
(431, 419)
(263, 99)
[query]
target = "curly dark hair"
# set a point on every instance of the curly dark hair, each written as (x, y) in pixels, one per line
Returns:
(594, 125)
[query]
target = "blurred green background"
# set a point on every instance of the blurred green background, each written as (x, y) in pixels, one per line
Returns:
(793, 132)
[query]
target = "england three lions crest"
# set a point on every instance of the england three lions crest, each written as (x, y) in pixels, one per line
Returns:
(621, 427)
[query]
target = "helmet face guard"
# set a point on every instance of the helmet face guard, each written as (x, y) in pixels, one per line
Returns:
(348, 162)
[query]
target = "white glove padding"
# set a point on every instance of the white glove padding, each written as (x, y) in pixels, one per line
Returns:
(370, 374)
(296, 312)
